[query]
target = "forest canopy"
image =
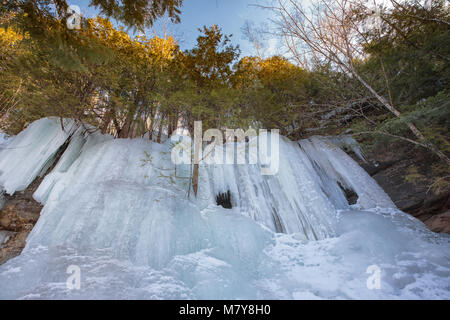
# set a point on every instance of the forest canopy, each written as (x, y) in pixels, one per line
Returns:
(341, 73)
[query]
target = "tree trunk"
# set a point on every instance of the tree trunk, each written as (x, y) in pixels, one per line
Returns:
(175, 123)
(197, 155)
(133, 133)
(116, 125)
(125, 130)
(160, 129)
(195, 175)
(106, 121)
(170, 126)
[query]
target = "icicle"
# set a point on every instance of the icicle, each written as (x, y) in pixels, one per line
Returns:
(25, 157)
(117, 210)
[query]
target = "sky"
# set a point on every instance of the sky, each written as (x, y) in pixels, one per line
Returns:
(230, 15)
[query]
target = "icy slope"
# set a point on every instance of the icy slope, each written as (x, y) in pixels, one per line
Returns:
(32, 151)
(333, 165)
(4, 140)
(116, 210)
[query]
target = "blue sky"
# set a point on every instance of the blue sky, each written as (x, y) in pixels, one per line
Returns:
(230, 15)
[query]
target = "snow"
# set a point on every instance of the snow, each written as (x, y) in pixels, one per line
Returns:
(116, 209)
(349, 142)
(4, 140)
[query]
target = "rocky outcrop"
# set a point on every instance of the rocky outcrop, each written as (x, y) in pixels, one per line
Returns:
(18, 216)
(20, 212)
(391, 165)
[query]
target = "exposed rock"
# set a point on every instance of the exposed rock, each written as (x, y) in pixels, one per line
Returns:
(20, 212)
(5, 236)
(18, 216)
(390, 166)
(224, 200)
(15, 245)
(350, 195)
(440, 222)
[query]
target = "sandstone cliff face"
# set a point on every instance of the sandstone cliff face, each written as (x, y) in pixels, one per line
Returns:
(390, 166)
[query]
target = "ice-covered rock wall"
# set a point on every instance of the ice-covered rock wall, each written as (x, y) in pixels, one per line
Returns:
(119, 210)
(336, 170)
(31, 152)
(305, 194)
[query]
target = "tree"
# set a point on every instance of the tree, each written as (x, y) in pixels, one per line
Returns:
(414, 40)
(273, 91)
(332, 33)
(45, 21)
(208, 66)
(137, 14)
(11, 84)
(115, 91)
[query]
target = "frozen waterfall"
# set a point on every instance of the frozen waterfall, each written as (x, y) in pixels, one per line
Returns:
(118, 209)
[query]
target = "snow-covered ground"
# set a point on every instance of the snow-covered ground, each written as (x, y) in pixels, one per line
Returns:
(115, 211)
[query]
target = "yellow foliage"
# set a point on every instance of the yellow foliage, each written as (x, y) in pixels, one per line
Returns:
(9, 38)
(267, 71)
(163, 48)
(156, 50)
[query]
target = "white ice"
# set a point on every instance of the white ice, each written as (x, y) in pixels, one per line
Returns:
(349, 142)
(117, 210)
(32, 151)
(4, 140)
(334, 165)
